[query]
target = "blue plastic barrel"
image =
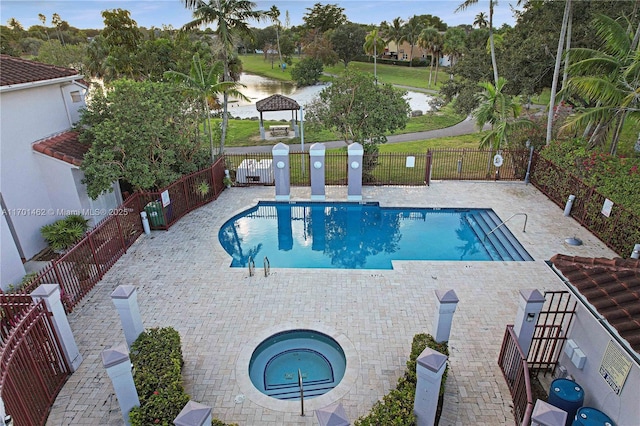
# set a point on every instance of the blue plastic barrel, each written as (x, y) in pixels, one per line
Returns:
(566, 395)
(588, 416)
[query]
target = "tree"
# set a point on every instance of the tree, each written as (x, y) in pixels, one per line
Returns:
(481, 20)
(307, 71)
(68, 56)
(203, 84)
(608, 78)
(411, 34)
(499, 110)
(347, 41)
(319, 46)
(468, 3)
(274, 14)
(15, 25)
(556, 69)
(454, 44)
(374, 43)
(57, 22)
(140, 132)
(431, 40)
(43, 19)
(230, 18)
(324, 17)
(120, 39)
(359, 109)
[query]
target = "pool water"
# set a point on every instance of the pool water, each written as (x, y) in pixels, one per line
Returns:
(275, 364)
(363, 235)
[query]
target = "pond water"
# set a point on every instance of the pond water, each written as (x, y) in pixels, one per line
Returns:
(258, 88)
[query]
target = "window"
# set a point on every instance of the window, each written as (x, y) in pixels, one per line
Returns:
(75, 96)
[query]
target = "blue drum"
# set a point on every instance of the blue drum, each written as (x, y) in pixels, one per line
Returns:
(588, 416)
(566, 395)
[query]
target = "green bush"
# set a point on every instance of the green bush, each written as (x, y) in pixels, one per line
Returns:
(396, 407)
(307, 72)
(64, 233)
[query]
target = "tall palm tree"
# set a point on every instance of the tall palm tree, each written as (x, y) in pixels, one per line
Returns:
(230, 18)
(374, 43)
(481, 20)
(428, 40)
(492, 3)
(608, 79)
(204, 85)
(394, 33)
(411, 33)
(499, 110)
(274, 15)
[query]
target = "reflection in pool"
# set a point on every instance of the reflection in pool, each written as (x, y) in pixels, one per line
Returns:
(361, 235)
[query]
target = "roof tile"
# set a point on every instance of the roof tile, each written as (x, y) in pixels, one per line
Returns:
(17, 70)
(63, 146)
(277, 103)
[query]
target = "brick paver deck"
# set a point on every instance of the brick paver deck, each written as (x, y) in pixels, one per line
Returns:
(184, 281)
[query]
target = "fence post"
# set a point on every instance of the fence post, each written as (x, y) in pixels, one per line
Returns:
(429, 368)
(317, 160)
(125, 298)
(447, 300)
(427, 172)
(529, 307)
(193, 414)
(354, 178)
(118, 365)
(50, 293)
(281, 172)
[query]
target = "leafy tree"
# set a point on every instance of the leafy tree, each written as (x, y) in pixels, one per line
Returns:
(119, 40)
(204, 85)
(492, 3)
(318, 46)
(230, 18)
(140, 132)
(454, 44)
(347, 41)
(373, 44)
(608, 78)
(358, 109)
(307, 72)
(69, 55)
(324, 17)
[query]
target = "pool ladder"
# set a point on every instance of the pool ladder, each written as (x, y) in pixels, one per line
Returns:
(267, 266)
(252, 266)
(524, 228)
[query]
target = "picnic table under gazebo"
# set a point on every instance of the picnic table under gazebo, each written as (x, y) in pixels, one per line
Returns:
(278, 103)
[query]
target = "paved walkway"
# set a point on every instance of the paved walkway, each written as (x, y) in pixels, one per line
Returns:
(184, 281)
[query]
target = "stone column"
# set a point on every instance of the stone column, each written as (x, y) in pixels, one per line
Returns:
(125, 298)
(445, 307)
(194, 414)
(51, 295)
(356, 153)
(317, 159)
(429, 369)
(529, 307)
(281, 172)
(545, 414)
(116, 361)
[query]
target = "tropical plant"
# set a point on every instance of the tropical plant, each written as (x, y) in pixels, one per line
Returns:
(499, 110)
(230, 18)
(64, 233)
(204, 84)
(454, 44)
(431, 40)
(481, 20)
(411, 34)
(274, 15)
(492, 3)
(393, 32)
(608, 79)
(374, 43)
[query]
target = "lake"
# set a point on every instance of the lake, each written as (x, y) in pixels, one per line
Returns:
(258, 88)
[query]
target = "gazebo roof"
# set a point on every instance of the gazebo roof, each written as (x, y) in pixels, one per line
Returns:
(277, 103)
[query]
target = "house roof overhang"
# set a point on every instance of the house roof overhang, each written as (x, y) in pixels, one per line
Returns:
(63, 146)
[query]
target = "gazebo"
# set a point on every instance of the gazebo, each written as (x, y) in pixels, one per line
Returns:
(278, 103)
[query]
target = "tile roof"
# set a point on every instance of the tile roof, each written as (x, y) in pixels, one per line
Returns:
(63, 146)
(277, 103)
(612, 286)
(17, 70)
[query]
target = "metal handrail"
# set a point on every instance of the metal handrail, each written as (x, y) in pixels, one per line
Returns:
(252, 266)
(524, 228)
(267, 266)
(301, 393)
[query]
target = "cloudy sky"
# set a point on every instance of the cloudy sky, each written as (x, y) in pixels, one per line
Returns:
(148, 13)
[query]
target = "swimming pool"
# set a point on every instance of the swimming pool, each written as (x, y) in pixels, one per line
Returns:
(363, 235)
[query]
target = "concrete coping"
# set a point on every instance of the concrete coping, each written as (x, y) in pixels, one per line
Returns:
(431, 359)
(447, 296)
(280, 149)
(317, 149)
(193, 413)
(355, 149)
(44, 290)
(532, 296)
(123, 292)
(115, 355)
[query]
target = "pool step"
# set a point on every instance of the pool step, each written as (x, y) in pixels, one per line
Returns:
(292, 392)
(501, 244)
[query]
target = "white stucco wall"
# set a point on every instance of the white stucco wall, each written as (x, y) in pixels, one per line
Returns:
(12, 269)
(592, 338)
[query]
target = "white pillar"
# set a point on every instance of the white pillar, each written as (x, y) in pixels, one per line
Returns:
(281, 171)
(125, 298)
(193, 414)
(545, 414)
(50, 293)
(429, 369)
(529, 307)
(116, 361)
(317, 159)
(354, 176)
(447, 300)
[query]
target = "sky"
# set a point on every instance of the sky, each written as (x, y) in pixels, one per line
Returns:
(155, 13)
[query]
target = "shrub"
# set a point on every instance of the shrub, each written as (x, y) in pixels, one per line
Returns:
(307, 72)
(396, 407)
(64, 233)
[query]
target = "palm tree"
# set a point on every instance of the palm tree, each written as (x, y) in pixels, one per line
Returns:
(499, 110)
(230, 17)
(430, 40)
(468, 3)
(43, 19)
(411, 33)
(608, 79)
(274, 14)
(394, 33)
(373, 43)
(204, 85)
(454, 45)
(481, 20)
